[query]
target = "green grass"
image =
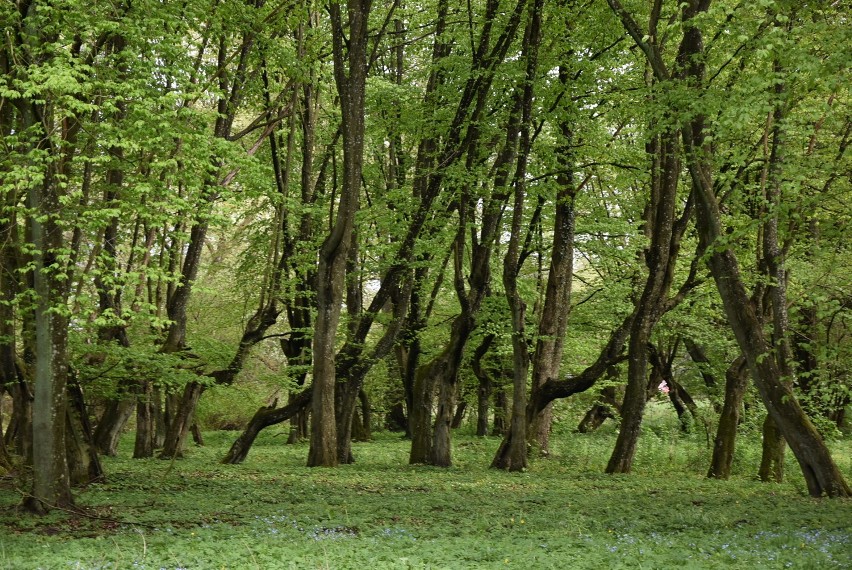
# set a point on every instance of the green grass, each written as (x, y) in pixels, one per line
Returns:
(272, 512)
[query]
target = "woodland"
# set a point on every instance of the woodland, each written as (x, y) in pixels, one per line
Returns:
(453, 228)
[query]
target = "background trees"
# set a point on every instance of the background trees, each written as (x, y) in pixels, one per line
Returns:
(262, 197)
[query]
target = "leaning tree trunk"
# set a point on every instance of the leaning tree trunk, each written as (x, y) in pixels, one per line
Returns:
(821, 474)
(181, 421)
(607, 407)
(264, 418)
(660, 259)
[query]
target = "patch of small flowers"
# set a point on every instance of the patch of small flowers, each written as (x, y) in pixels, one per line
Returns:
(276, 525)
(396, 533)
(333, 533)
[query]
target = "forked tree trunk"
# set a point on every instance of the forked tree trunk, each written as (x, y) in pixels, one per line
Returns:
(484, 386)
(821, 474)
(512, 454)
(553, 323)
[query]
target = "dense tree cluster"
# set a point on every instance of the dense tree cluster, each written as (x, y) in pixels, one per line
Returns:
(418, 206)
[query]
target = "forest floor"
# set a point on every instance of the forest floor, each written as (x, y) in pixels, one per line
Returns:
(273, 512)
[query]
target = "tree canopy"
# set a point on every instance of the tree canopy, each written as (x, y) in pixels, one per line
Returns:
(384, 212)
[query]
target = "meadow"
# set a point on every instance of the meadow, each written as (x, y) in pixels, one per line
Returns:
(273, 512)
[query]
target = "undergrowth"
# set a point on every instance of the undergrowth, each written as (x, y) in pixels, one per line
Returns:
(273, 512)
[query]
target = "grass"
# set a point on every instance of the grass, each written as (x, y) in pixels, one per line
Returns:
(272, 512)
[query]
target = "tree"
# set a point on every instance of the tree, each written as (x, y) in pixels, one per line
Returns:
(821, 474)
(350, 74)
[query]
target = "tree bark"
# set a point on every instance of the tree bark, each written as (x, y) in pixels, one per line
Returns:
(821, 474)
(143, 446)
(350, 71)
(660, 258)
(607, 407)
(84, 465)
(736, 380)
(264, 418)
(115, 416)
(772, 456)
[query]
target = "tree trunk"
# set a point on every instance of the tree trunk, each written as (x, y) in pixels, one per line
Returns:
(84, 465)
(553, 323)
(420, 416)
(736, 380)
(8, 292)
(772, 457)
(51, 482)
(5, 459)
(197, 436)
(458, 416)
(513, 455)
(159, 417)
(264, 418)
(501, 405)
(444, 369)
(112, 422)
(361, 421)
(820, 472)
(19, 432)
(699, 357)
(298, 424)
(660, 259)
(181, 422)
(607, 407)
(484, 387)
(350, 71)
(143, 446)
